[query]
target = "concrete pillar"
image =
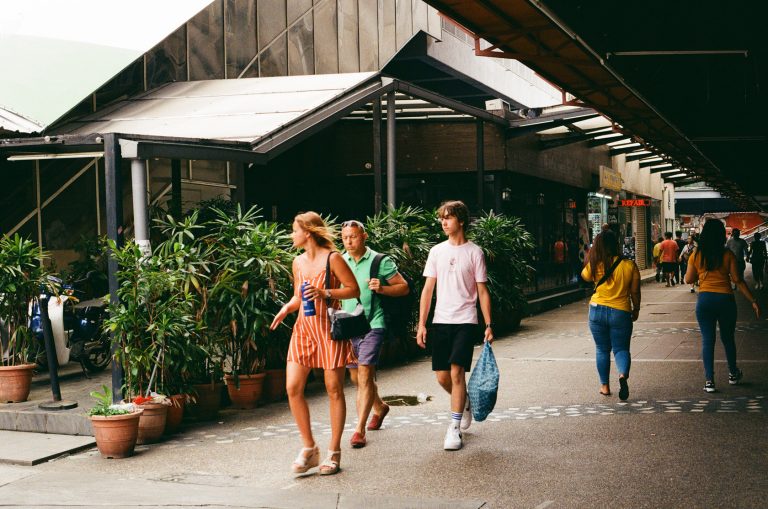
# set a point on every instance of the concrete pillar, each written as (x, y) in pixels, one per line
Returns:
(140, 212)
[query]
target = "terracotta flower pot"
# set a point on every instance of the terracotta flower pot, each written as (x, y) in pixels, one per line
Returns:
(207, 402)
(152, 422)
(175, 413)
(274, 385)
(116, 434)
(15, 382)
(248, 394)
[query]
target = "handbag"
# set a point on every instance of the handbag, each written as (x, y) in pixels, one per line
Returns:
(345, 325)
(483, 385)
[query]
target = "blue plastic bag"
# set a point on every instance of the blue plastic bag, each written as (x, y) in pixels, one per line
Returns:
(483, 384)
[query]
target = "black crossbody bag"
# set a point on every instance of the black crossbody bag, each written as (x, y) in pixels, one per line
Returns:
(610, 271)
(345, 325)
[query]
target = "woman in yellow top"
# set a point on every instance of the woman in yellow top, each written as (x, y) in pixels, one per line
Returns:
(715, 267)
(614, 306)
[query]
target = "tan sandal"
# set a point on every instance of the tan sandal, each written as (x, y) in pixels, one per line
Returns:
(309, 457)
(330, 466)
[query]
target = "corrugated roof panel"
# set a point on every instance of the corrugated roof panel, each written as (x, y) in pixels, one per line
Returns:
(241, 110)
(55, 53)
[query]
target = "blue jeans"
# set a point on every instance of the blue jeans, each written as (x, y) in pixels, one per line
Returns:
(711, 309)
(611, 329)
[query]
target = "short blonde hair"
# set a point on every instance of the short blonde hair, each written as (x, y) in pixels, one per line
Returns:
(314, 224)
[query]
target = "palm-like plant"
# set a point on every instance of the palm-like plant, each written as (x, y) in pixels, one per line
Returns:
(508, 248)
(22, 275)
(252, 275)
(154, 322)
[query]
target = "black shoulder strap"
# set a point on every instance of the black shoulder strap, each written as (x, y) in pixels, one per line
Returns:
(375, 264)
(328, 279)
(609, 272)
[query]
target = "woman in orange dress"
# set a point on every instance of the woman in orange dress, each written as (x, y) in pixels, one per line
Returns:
(311, 344)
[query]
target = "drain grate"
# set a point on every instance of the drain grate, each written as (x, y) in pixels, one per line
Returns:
(404, 400)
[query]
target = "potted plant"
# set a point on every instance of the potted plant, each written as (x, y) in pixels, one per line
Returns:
(406, 234)
(152, 323)
(254, 263)
(22, 275)
(115, 427)
(507, 247)
(189, 246)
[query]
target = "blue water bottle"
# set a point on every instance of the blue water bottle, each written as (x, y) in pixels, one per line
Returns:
(307, 304)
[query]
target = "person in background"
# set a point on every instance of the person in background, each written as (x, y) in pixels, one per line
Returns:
(685, 254)
(559, 253)
(311, 344)
(758, 257)
(679, 272)
(739, 248)
(612, 309)
(714, 267)
(669, 250)
(657, 258)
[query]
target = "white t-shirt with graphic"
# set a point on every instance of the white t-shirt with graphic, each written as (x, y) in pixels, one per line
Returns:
(457, 270)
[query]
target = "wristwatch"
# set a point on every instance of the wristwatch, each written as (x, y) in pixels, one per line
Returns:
(488, 325)
(327, 294)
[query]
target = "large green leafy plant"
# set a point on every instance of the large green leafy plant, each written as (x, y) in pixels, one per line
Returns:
(406, 234)
(250, 282)
(153, 323)
(22, 276)
(507, 246)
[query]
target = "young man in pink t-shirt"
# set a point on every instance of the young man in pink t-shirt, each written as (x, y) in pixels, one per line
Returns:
(456, 268)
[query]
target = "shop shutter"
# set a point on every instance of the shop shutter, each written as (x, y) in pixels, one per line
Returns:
(641, 237)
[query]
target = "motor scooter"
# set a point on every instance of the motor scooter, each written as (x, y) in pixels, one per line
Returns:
(77, 329)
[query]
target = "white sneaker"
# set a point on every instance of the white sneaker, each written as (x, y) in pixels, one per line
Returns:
(452, 438)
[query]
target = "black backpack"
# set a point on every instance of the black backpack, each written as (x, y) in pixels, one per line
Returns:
(398, 311)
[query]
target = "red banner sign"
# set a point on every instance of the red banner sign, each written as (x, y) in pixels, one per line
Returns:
(635, 203)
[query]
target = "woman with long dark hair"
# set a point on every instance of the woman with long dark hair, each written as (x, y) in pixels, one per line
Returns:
(714, 266)
(614, 306)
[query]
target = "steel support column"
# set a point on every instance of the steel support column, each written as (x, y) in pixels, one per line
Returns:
(391, 150)
(239, 170)
(139, 193)
(377, 191)
(114, 205)
(175, 188)
(480, 148)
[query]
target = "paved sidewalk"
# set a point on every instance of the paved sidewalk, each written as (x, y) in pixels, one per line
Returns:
(552, 440)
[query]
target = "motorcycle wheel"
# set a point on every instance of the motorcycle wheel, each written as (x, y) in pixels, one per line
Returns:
(97, 356)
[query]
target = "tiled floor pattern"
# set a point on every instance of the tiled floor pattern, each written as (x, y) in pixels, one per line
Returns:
(740, 405)
(637, 332)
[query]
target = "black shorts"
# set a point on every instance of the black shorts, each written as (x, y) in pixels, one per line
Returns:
(452, 344)
(669, 266)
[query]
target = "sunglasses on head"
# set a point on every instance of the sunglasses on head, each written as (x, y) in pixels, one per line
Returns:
(354, 223)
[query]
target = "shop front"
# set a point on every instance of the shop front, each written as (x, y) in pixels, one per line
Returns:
(555, 216)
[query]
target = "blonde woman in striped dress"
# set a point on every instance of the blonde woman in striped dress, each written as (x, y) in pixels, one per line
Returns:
(311, 344)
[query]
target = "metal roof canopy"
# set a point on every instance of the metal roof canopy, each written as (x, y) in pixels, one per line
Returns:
(665, 83)
(55, 53)
(248, 120)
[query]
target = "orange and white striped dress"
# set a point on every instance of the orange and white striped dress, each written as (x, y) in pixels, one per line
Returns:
(311, 343)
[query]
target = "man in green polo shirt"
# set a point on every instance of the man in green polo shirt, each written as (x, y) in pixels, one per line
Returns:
(367, 348)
